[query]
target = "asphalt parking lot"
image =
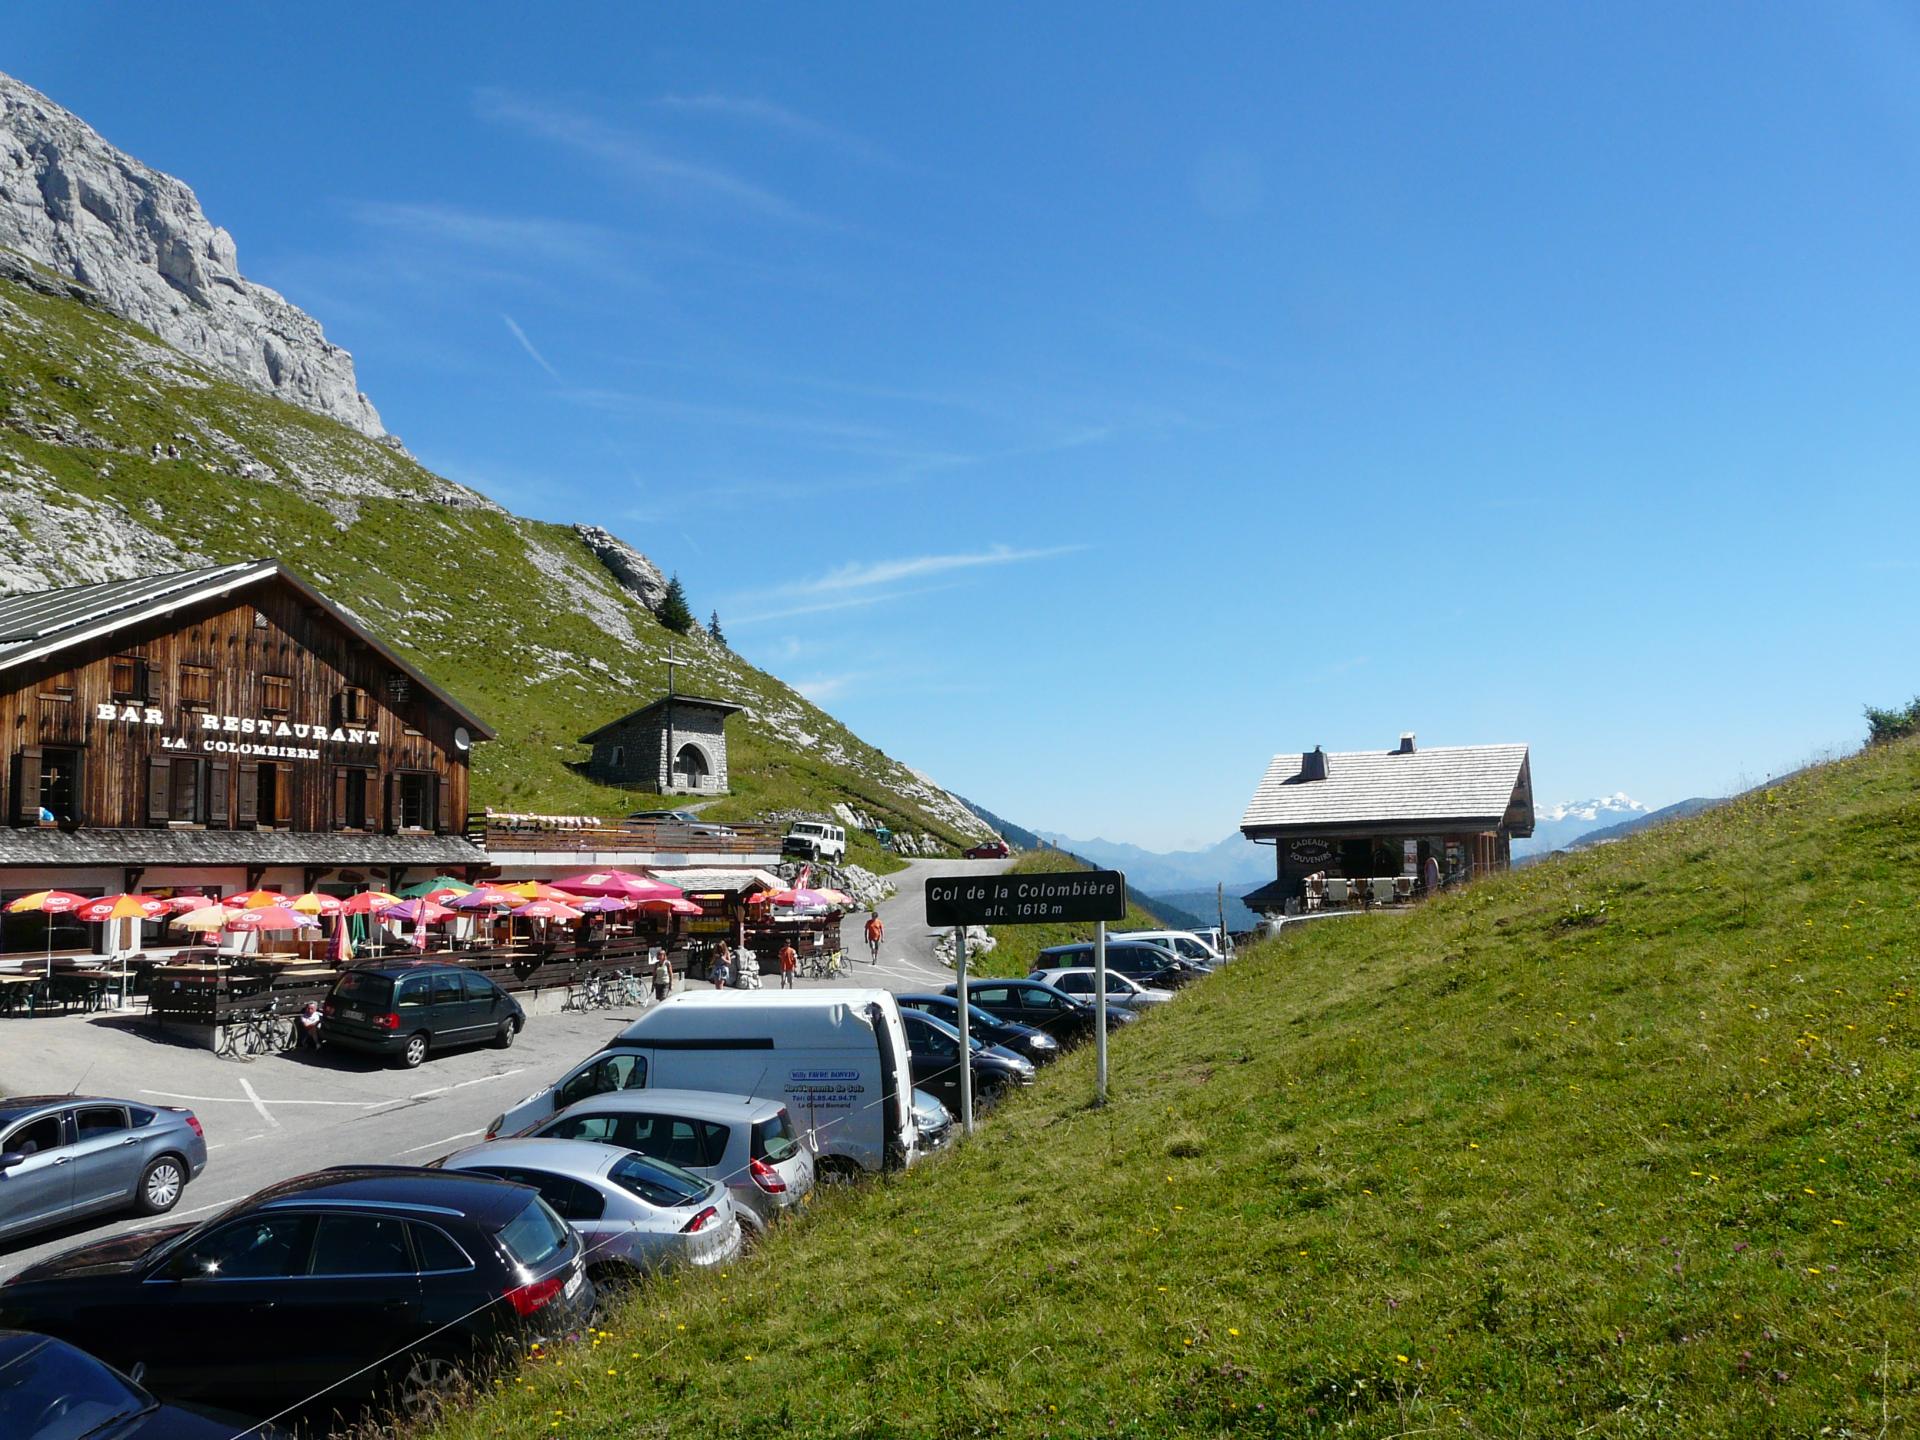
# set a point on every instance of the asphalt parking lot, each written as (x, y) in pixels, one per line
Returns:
(277, 1116)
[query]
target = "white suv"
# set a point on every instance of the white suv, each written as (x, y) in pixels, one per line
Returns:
(815, 840)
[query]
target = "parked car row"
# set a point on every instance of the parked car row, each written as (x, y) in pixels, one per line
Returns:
(690, 1134)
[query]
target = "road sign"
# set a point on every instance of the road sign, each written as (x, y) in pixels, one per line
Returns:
(1074, 895)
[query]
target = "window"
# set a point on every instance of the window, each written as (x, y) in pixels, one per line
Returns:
(412, 991)
(570, 1199)
(94, 1121)
(416, 801)
(437, 1250)
(361, 1245)
(273, 795)
(351, 787)
(928, 1040)
(667, 1186)
(257, 1248)
(613, 1072)
(773, 1140)
(992, 995)
(35, 1137)
(352, 705)
(128, 676)
(276, 694)
(57, 687)
(185, 790)
(627, 1130)
(58, 783)
(447, 989)
(534, 1236)
(196, 686)
(479, 989)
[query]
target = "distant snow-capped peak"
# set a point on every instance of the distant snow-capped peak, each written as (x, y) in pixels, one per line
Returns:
(1618, 803)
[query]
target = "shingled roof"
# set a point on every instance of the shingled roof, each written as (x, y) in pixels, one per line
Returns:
(39, 623)
(1459, 786)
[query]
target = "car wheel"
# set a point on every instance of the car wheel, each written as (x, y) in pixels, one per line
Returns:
(424, 1384)
(160, 1185)
(416, 1051)
(507, 1031)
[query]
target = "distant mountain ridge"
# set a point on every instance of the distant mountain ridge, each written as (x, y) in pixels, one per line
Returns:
(1557, 826)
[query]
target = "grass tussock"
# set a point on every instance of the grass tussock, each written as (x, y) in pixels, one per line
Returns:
(1619, 1145)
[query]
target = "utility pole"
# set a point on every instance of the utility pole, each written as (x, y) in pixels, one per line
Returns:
(966, 1029)
(1100, 1013)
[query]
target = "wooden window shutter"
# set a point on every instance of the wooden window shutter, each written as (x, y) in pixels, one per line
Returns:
(391, 811)
(159, 789)
(443, 802)
(217, 794)
(283, 794)
(339, 797)
(26, 786)
(248, 778)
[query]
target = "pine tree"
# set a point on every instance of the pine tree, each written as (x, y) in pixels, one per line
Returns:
(713, 629)
(674, 613)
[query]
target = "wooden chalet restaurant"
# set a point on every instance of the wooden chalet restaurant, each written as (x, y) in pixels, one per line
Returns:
(231, 731)
(1359, 826)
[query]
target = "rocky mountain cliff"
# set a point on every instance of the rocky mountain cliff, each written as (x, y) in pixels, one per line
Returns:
(138, 240)
(123, 455)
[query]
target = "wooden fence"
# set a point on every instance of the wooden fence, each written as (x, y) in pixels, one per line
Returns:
(666, 837)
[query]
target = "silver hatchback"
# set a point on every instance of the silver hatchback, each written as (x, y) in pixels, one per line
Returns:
(633, 1213)
(65, 1157)
(747, 1144)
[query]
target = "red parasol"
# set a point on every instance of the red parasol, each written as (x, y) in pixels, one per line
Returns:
(619, 882)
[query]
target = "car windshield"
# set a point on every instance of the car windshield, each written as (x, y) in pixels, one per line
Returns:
(773, 1140)
(535, 1235)
(657, 1182)
(55, 1376)
(357, 987)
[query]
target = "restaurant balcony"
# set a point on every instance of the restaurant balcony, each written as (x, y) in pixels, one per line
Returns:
(528, 844)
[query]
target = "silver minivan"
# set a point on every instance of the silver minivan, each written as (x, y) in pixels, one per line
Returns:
(747, 1144)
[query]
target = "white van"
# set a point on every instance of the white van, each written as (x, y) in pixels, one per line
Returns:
(1183, 943)
(815, 840)
(838, 1058)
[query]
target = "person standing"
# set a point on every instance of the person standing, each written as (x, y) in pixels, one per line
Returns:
(662, 975)
(789, 964)
(876, 932)
(721, 971)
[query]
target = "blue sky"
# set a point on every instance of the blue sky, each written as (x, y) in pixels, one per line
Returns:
(1084, 402)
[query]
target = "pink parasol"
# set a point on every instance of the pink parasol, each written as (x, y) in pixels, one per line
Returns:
(545, 910)
(672, 907)
(180, 904)
(619, 882)
(487, 897)
(605, 904)
(367, 902)
(423, 910)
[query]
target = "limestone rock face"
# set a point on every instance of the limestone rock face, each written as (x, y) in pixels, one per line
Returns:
(635, 573)
(139, 241)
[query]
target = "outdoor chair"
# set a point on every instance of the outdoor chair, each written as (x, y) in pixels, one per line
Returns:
(1338, 891)
(1384, 888)
(1403, 888)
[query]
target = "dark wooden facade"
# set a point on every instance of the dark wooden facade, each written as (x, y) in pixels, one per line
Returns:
(257, 709)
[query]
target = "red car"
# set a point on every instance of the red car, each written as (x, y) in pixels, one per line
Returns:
(992, 850)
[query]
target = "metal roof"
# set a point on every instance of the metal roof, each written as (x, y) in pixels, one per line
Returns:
(40, 623)
(719, 881)
(1468, 784)
(725, 707)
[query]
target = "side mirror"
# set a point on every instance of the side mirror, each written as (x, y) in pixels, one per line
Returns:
(10, 1159)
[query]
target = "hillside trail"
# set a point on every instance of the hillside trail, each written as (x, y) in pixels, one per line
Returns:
(907, 961)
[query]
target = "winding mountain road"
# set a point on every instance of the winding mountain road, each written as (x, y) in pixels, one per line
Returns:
(907, 959)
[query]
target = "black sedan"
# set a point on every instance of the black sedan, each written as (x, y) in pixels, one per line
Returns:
(1030, 1002)
(51, 1391)
(933, 1047)
(379, 1282)
(1023, 1040)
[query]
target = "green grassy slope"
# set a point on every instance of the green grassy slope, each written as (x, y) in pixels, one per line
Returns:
(1623, 1144)
(514, 616)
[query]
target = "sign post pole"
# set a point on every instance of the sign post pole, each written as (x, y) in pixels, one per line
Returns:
(966, 1043)
(1100, 1013)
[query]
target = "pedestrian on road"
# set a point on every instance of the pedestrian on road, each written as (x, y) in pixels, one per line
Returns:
(721, 971)
(876, 932)
(662, 975)
(789, 963)
(306, 1027)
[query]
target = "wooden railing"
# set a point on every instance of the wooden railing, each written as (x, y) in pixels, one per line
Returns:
(672, 837)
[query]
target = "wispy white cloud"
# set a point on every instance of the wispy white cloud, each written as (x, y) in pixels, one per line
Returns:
(528, 345)
(822, 688)
(636, 157)
(822, 607)
(867, 574)
(569, 242)
(767, 115)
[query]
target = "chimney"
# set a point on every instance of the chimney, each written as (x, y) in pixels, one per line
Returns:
(1406, 742)
(1314, 766)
